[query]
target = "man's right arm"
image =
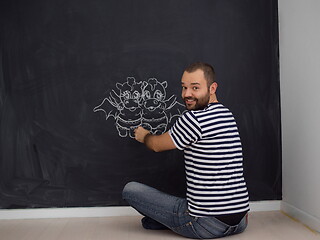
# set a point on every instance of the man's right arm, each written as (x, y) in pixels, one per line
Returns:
(159, 143)
(156, 143)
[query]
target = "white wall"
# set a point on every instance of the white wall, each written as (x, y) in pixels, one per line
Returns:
(300, 108)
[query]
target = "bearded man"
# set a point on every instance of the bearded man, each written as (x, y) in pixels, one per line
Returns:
(217, 202)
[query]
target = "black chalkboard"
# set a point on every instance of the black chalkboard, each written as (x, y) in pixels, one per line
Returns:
(67, 67)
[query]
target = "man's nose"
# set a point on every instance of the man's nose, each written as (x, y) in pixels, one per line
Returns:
(187, 93)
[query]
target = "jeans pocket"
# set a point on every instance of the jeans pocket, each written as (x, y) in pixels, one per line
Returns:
(242, 225)
(238, 228)
(187, 230)
(208, 228)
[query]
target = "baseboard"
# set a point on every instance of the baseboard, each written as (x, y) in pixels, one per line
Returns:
(305, 218)
(103, 211)
(264, 206)
(67, 212)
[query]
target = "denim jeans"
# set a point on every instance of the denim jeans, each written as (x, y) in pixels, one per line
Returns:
(172, 212)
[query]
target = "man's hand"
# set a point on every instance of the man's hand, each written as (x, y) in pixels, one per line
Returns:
(157, 143)
(140, 133)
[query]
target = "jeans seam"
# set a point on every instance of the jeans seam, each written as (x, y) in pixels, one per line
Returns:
(150, 208)
(181, 226)
(195, 232)
(205, 229)
(177, 229)
(216, 226)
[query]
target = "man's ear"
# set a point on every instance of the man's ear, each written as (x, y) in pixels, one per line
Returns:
(213, 87)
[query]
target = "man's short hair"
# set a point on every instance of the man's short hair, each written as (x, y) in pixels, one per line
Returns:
(208, 71)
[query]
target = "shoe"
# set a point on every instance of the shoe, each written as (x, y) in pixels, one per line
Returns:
(149, 223)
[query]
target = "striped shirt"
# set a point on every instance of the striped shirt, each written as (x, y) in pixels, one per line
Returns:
(213, 161)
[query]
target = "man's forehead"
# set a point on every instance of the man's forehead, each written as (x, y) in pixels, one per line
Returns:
(191, 83)
(193, 79)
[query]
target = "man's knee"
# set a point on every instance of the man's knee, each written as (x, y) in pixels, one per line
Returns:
(129, 188)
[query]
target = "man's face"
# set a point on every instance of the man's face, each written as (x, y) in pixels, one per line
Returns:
(195, 91)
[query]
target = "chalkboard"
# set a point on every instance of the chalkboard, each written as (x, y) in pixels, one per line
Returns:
(68, 67)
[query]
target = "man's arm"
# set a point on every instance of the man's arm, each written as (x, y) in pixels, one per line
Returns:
(157, 143)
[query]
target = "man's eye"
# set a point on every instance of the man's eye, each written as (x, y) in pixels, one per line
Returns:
(195, 88)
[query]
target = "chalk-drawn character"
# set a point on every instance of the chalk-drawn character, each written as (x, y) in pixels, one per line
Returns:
(157, 110)
(140, 103)
(127, 104)
(154, 117)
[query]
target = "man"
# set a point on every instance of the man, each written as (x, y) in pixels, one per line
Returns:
(217, 199)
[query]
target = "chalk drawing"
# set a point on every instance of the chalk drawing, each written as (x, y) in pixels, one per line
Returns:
(143, 103)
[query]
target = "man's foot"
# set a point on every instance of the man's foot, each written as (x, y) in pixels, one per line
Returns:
(149, 223)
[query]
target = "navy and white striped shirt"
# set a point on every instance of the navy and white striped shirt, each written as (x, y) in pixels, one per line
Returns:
(213, 161)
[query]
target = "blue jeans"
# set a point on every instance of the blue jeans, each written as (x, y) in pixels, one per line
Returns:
(172, 212)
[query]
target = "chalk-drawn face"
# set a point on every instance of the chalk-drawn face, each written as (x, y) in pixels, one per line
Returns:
(154, 94)
(130, 94)
(129, 97)
(195, 91)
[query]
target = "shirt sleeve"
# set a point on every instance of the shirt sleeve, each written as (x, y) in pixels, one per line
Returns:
(185, 131)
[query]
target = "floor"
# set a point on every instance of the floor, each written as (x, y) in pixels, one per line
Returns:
(262, 226)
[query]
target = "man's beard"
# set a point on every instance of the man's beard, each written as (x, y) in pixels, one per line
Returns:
(200, 103)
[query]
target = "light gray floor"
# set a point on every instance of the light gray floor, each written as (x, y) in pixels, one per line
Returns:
(262, 226)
